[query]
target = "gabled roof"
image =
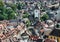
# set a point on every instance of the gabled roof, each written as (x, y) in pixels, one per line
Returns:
(55, 32)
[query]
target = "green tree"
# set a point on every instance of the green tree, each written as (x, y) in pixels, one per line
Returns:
(2, 11)
(11, 13)
(7, 13)
(20, 6)
(3, 17)
(44, 17)
(28, 23)
(13, 6)
(11, 16)
(26, 15)
(1, 7)
(1, 3)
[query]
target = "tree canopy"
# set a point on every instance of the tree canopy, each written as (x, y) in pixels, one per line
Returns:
(7, 13)
(44, 17)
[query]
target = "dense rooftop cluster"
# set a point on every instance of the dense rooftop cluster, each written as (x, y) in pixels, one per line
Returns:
(29, 21)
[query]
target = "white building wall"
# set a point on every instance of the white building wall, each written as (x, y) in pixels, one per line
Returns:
(36, 13)
(58, 15)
